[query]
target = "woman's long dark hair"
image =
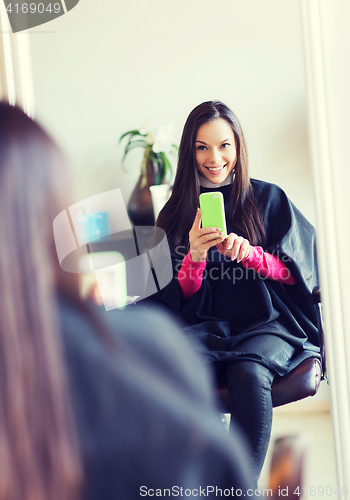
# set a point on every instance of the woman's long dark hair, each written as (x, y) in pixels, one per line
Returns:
(39, 453)
(178, 214)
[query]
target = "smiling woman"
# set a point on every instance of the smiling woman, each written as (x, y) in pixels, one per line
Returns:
(246, 297)
(203, 140)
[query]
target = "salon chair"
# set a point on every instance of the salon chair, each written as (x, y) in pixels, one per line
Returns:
(301, 382)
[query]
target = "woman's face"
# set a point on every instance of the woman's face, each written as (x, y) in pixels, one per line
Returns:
(215, 150)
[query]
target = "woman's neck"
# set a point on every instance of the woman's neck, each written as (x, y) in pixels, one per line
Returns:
(204, 182)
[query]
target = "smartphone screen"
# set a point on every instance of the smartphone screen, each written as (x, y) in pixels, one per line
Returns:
(213, 211)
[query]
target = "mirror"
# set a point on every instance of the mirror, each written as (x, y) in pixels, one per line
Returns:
(100, 71)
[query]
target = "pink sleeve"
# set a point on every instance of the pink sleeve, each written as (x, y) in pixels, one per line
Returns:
(268, 266)
(190, 276)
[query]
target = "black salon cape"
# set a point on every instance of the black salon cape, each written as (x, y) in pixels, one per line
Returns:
(234, 303)
(144, 409)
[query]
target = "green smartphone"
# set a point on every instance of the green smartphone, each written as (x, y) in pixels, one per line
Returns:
(213, 211)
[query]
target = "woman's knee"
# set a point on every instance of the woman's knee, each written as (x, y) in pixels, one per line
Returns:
(247, 373)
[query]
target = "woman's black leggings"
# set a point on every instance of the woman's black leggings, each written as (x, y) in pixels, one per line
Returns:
(249, 383)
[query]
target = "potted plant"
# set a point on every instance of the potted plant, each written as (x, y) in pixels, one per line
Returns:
(155, 169)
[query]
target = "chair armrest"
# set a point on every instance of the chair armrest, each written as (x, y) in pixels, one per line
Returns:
(316, 295)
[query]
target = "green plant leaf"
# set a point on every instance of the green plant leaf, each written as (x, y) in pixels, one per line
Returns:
(158, 160)
(139, 142)
(131, 132)
(132, 145)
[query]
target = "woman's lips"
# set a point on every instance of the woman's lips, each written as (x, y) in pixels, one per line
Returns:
(216, 170)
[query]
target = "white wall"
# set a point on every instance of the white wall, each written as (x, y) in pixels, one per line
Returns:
(107, 67)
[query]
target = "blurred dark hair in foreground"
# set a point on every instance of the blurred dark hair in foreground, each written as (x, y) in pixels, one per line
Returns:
(39, 454)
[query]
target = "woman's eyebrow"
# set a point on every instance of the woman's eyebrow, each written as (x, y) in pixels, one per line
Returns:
(225, 140)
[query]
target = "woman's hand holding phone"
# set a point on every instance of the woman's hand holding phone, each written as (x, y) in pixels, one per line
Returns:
(234, 247)
(203, 238)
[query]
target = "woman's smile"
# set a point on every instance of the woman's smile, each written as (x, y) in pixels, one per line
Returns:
(215, 170)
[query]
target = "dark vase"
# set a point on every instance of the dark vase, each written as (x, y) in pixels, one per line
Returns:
(140, 208)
